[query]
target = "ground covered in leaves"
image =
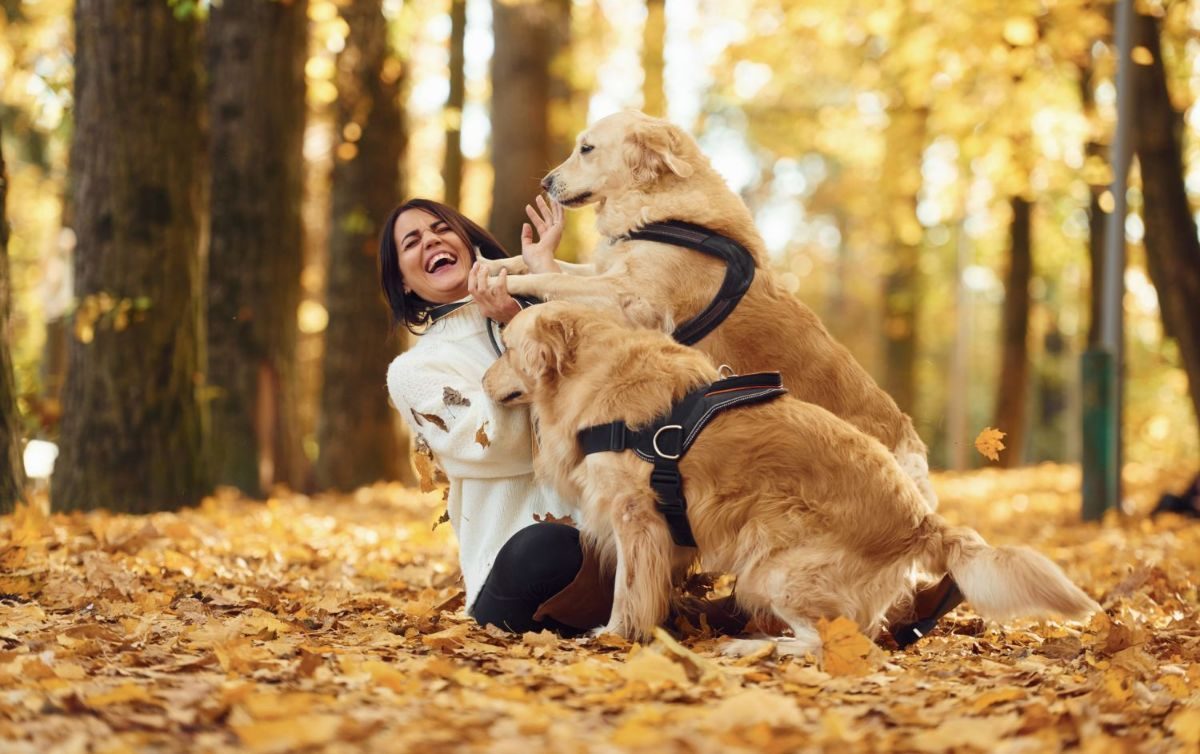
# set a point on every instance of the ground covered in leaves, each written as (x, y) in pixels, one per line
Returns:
(337, 624)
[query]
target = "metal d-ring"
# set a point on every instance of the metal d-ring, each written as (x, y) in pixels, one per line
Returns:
(725, 371)
(654, 442)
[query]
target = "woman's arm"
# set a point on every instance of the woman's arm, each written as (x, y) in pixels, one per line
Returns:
(470, 436)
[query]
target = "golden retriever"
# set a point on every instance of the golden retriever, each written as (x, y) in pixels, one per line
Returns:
(813, 517)
(640, 170)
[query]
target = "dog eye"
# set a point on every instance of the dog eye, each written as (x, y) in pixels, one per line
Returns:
(585, 148)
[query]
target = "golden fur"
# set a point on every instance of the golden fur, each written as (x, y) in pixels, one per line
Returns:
(813, 517)
(640, 170)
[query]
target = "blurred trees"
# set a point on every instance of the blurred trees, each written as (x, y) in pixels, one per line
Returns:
(1012, 391)
(1172, 248)
(356, 427)
(529, 37)
(12, 474)
(131, 429)
(256, 54)
(452, 163)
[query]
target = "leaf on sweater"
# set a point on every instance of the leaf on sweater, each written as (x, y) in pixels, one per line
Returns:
(424, 464)
(434, 419)
(550, 518)
(452, 397)
(988, 443)
(481, 436)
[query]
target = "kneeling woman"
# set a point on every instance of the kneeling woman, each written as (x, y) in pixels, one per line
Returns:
(519, 574)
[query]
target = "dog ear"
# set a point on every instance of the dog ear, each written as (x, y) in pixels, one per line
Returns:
(554, 341)
(641, 313)
(654, 147)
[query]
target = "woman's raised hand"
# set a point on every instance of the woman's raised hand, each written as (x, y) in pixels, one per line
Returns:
(491, 294)
(548, 219)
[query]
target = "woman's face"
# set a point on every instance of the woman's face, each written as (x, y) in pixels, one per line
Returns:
(435, 263)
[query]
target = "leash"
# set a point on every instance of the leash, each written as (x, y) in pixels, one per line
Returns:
(665, 441)
(739, 271)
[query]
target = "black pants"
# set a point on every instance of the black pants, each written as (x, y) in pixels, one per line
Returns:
(535, 564)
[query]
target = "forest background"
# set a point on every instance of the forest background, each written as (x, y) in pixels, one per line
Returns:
(194, 194)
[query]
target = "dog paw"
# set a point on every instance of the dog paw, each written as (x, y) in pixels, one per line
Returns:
(757, 649)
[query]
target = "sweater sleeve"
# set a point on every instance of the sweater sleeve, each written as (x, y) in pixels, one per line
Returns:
(471, 436)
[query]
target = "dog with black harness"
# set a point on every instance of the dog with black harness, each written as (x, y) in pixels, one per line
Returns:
(813, 518)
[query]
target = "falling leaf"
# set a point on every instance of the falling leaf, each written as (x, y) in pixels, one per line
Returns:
(988, 443)
(452, 397)
(481, 436)
(844, 650)
(442, 519)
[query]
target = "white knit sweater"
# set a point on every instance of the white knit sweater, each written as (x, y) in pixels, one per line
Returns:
(492, 490)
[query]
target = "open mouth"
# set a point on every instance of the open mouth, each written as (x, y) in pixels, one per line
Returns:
(439, 261)
(576, 200)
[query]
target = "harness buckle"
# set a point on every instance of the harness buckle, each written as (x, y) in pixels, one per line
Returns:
(616, 437)
(658, 451)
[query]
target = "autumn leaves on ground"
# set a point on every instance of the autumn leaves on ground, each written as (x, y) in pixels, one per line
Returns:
(335, 623)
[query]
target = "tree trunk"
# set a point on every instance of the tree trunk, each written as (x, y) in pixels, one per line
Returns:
(653, 41)
(1172, 250)
(1013, 389)
(256, 55)
(527, 38)
(356, 431)
(902, 283)
(12, 470)
(1096, 154)
(452, 168)
(131, 432)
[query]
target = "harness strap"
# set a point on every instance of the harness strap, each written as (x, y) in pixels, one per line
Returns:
(669, 437)
(739, 271)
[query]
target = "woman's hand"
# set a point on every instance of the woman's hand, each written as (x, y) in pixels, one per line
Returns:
(491, 294)
(548, 219)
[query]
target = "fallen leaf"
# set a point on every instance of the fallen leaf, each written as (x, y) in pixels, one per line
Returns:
(271, 736)
(844, 650)
(125, 693)
(433, 419)
(651, 668)
(550, 518)
(989, 444)
(452, 397)
(481, 436)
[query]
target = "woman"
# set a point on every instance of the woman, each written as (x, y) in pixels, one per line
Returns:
(519, 574)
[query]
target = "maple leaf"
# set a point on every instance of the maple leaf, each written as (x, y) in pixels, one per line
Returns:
(988, 443)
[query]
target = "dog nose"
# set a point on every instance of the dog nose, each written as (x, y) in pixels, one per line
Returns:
(548, 182)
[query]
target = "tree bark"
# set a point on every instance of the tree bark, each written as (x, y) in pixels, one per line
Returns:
(356, 431)
(1096, 154)
(653, 42)
(902, 283)
(452, 168)
(132, 420)
(1172, 249)
(12, 469)
(256, 54)
(1013, 389)
(527, 38)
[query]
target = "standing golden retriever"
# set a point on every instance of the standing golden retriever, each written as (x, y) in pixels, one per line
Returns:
(813, 517)
(640, 170)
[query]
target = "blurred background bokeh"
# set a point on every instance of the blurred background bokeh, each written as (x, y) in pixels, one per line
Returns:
(931, 178)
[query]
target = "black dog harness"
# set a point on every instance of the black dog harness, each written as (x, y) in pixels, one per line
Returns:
(668, 438)
(739, 271)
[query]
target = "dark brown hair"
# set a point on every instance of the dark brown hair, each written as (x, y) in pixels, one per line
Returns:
(409, 309)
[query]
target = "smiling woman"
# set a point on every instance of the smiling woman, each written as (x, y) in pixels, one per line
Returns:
(518, 573)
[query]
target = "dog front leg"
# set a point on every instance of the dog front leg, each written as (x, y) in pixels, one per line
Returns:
(598, 291)
(642, 590)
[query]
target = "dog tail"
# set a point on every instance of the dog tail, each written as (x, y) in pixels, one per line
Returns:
(1001, 582)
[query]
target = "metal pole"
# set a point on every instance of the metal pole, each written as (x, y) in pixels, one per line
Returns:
(1102, 366)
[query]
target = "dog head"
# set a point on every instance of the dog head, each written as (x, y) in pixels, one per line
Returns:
(622, 151)
(540, 346)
